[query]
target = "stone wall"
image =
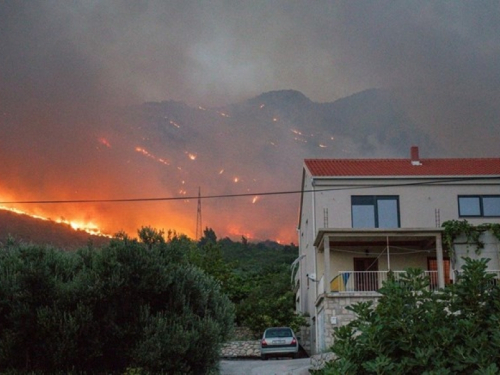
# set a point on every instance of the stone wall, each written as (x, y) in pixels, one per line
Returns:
(334, 306)
(304, 337)
(240, 349)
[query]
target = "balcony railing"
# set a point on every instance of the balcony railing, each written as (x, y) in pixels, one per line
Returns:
(370, 281)
(495, 273)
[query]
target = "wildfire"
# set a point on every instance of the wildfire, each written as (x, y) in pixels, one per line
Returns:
(174, 124)
(151, 156)
(104, 142)
(88, 227)
(223, 114)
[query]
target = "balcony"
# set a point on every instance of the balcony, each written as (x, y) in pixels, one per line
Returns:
(370, 281)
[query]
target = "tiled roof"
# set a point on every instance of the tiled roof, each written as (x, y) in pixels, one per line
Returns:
(403, 167)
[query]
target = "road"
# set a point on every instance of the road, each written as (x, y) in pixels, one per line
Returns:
(270, 367)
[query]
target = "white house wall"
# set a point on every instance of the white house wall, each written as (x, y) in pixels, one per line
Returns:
(490, 251)
(307, 264)
(417, 203)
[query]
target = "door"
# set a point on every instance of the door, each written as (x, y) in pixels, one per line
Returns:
(365, 279)
(432, 266)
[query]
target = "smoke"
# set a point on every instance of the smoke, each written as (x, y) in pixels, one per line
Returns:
(67, 70)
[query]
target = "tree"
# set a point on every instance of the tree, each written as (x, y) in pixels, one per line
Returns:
(415, 331)
(270, 302)
(209, 236)
(127, 305)
(151, 236)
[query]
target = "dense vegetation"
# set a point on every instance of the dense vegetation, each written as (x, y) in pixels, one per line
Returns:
(163, 303)
(256, 277)
(415, 331)
(128, 305)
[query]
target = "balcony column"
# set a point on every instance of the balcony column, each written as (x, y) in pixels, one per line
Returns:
(440, 263)
(327, 278)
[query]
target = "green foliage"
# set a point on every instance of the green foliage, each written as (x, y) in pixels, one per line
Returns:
(455, 228)
(270, 302)
(151, 236)
(121, 307)
(415, 331)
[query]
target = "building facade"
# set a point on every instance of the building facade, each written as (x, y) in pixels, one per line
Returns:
(361, 218)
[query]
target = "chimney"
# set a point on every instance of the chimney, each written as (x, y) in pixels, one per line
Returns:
(415, 160)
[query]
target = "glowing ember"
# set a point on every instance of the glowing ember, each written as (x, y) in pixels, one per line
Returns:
(296, 132)
(201, 108)
(223, 114)
(191, 156)
(322, 146)
(221, 171)
(151, 156)
(104, 142)
(236, 179)
(255, 199)
(174, 124)
(262, 106)
(300, 140)
(275, 119)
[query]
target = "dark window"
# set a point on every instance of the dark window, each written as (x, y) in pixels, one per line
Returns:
(478, 205)
(375, 211)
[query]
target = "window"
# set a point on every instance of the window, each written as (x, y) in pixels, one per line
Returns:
(375, 211)
(478, 205)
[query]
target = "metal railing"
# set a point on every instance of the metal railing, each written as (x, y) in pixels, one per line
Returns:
(495, 273)
(370, 281)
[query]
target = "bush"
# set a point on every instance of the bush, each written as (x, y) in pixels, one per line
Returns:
(415, 331)
(127, 306)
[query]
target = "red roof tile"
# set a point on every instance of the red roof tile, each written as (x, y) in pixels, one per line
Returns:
(403, 167)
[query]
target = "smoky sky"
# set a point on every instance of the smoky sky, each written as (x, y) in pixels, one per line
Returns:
(66, 66)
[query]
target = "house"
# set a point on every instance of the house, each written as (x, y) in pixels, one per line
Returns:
(360, 218)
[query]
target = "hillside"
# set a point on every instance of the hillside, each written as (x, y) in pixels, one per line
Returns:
(31, 230)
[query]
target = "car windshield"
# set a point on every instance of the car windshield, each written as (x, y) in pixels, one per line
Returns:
(279, 332)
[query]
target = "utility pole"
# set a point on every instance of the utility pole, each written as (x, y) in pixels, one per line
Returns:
(198, 217)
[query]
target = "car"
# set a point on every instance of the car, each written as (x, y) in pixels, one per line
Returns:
(279, 342)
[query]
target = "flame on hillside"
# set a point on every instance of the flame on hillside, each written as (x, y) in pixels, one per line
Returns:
(85, 226)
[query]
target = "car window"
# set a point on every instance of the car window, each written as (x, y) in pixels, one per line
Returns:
(279, 332)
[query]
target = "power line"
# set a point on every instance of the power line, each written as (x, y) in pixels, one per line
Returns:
(265, 193)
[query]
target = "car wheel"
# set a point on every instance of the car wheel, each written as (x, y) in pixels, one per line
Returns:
(263, 357)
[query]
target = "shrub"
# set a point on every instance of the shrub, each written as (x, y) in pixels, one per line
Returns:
(127, 306)
(415, 331)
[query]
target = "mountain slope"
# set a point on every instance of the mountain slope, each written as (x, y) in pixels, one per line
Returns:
(31, 230)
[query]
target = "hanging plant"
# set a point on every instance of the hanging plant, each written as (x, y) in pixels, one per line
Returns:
(455, 228)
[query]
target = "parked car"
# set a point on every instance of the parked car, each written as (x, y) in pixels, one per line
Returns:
(279, 342)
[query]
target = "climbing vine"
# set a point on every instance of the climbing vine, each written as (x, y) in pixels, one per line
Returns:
(454, 228)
